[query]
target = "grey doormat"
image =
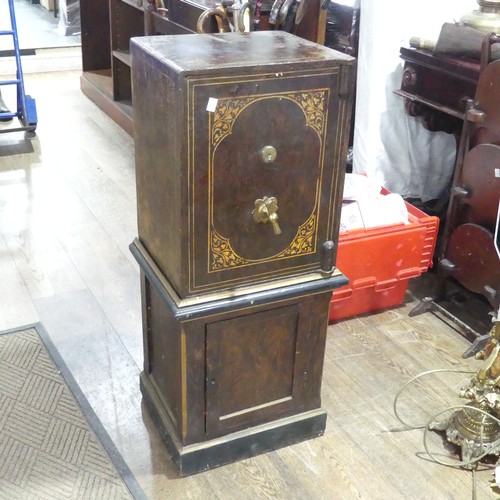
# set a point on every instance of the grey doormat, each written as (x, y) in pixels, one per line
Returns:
(52, 446)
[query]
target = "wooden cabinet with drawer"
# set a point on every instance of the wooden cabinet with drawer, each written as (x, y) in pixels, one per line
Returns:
(241, 142)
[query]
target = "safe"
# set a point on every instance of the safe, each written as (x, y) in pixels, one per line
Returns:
(241, 142)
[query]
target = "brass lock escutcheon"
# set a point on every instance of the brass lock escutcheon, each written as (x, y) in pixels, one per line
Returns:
(268, 154)
(265, 211)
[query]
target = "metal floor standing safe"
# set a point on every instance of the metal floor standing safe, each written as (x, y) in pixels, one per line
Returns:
(241, 141)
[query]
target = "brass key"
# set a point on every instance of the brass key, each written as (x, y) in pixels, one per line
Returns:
(265, 211)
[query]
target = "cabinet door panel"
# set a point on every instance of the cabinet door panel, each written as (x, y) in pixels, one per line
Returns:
(253, 369)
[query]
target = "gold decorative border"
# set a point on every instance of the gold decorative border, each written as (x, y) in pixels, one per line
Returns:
(224, 257)
(313, 105)
(311, 102)
(222, 254)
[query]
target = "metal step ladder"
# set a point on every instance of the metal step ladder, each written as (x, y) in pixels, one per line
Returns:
(26, 105)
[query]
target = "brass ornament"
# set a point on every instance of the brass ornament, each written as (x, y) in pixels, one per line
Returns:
(475, 427)
(486, 19)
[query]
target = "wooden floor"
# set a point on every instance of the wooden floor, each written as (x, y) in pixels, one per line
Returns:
(67, 216)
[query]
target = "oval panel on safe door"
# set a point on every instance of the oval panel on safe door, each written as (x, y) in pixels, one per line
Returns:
(264, 185)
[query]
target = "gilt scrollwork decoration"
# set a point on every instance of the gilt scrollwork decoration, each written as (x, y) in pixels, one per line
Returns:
(311, 102)
(223, 255)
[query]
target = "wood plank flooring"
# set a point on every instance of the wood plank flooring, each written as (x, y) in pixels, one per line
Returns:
(67, 216)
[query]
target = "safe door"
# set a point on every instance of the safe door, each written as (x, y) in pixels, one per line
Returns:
(265, 157)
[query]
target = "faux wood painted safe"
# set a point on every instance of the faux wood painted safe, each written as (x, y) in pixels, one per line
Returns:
(240, 150)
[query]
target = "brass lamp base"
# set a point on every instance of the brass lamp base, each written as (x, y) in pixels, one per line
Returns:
(475, 427)
(486, 19)
(474, 431)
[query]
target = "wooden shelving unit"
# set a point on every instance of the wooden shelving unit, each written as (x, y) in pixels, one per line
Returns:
(106, 31)
(107, 27)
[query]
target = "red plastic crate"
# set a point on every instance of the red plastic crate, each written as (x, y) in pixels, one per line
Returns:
(380, 261)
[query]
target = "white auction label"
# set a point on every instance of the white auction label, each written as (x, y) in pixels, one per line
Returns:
(212, 105)
(497, 231)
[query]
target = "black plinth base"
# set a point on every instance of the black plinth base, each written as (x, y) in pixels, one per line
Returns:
(206, 455)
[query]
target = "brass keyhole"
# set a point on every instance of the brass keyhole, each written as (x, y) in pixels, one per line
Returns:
(268, 154)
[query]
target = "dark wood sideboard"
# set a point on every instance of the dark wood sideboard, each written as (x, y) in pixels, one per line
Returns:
(437, 88)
